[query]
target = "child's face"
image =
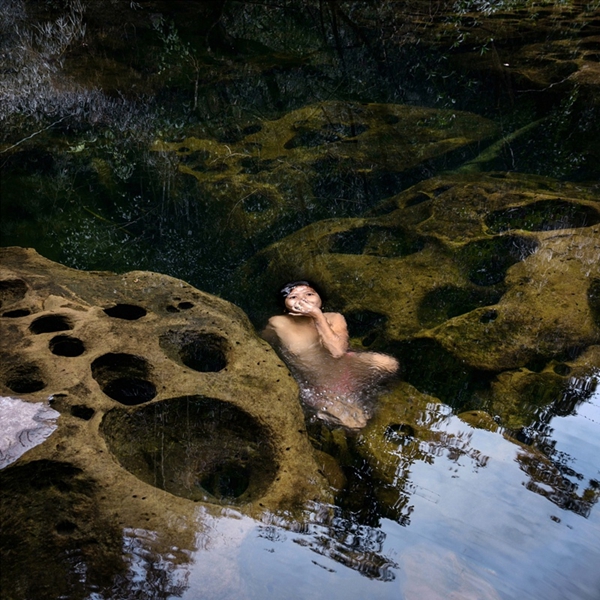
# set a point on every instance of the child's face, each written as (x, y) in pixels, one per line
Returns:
(301, 298)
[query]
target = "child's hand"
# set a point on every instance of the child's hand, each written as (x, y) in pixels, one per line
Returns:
(304, 308)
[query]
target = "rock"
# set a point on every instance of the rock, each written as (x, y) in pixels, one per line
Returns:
(153, 376)
(462, 277)
(294, 169)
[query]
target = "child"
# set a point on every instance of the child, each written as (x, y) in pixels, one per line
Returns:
(314, 345)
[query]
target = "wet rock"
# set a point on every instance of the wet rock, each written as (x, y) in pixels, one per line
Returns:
(193, 395)
(327, 158)
(411, 427)
(491, 272)
(522, 396)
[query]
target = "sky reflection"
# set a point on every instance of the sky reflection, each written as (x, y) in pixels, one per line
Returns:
(475, 532)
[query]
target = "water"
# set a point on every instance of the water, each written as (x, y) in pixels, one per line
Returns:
(479, 527)
(444, 161)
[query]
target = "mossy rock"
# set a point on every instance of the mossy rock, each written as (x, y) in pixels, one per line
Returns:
(331, 158)
(432, 278)
(151, 375)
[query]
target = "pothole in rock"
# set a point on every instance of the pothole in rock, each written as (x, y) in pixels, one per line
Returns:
(486, 261)
(11, 291)
(544, 215)
(365, 324)
(81, 411)
(124, 378)
(204, 352)
(15, 314)
(24, 379)
(376, 241)
(64, 345)
(399, 433)
(447, 302)
(50, 324)
(195, 447)
(129, 312)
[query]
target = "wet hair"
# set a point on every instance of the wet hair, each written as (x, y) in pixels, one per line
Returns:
(286, 290)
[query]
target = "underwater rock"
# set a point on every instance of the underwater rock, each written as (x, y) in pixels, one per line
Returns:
(411, 427)
(152, 376)
(460, 277)
(322, 159)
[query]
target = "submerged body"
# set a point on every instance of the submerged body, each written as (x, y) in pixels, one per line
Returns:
(333, 380)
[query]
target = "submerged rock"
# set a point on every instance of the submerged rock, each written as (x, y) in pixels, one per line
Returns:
(322, 159)
(462, 277)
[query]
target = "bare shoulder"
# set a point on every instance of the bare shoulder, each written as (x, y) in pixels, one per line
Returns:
(276, 324)
(335, 318)
(278, 321)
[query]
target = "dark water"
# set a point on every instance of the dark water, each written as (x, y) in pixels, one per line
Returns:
(185, 138)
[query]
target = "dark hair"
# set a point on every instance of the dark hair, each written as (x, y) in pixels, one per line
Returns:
(286, 290)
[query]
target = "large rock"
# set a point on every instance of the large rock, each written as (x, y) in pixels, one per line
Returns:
(462, 277)
(322, 159)
(159, 386)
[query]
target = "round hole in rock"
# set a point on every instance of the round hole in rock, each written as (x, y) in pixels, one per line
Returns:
(50, 324)
(204, 352)
(195, 447)
(124, 378)
(562, 369)
(399, 433)
(64, 345)
(488, 316)
(486, 261)
(376, 241)
(25, 379)
(129, 312)
(544, 215)
(185, 305)
(65, 528)
(11, 291)
(446, 302)
(81, 411)
(19, 312)
(130, 390)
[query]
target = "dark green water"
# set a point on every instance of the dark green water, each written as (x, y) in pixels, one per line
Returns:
(187, 137)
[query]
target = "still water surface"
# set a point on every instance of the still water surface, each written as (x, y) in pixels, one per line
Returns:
(473, 533)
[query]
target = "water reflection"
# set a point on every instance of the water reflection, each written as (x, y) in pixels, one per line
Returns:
(502, 544)
(554, 473)
(464, 514)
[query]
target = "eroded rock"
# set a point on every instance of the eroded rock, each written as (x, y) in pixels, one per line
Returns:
(128, 374)
(461, 277)
(326, 158)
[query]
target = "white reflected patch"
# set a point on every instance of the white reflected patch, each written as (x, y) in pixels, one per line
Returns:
(23, 425)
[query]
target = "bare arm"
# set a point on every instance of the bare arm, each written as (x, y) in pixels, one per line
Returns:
(332, 329)
(269, 334)
(333, 332)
